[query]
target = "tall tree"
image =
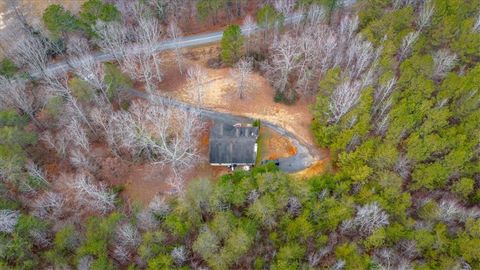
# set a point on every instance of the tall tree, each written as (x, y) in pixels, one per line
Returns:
(231, 44)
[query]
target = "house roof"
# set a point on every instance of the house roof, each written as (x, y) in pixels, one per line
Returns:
(232, 144)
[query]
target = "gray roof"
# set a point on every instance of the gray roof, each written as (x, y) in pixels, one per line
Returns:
(232, 144)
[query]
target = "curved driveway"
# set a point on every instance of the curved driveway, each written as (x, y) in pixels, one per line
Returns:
(305, 154)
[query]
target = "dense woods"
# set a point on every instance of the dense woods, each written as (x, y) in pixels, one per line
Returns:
(396, 90)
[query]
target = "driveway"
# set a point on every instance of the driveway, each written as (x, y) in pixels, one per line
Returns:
(305, 154)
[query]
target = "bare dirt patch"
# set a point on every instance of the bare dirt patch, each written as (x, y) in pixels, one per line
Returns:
(274, 146)
(221, 95)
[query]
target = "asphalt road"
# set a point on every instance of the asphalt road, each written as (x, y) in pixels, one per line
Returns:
(182, 42)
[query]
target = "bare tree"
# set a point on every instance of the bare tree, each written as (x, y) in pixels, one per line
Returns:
(14, 94)
(425, 15)
(407, 44)
(113, 38)
(197, 83)
(49, 205)
(284, 61)
(443, 61)
(77, 134)
(476, 25)
(8, 220)
(344, 97)
(241, 74)
(91, 196)
(369, 218)
(85, 65)
(175, 33)
(80, 159)
(58, 86)
(32, 51)
(141, 60)
(248, 30)
(316, 15)
(57, 142)
(35, 171)
(381, 105)
(285, 6)
(127, 239)
(159, 133)
(85, 262)
(179, 255)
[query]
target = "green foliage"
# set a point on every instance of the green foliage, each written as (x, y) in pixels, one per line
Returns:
(209, 8)
(268, 17)
(13, 140)
(97, 236)
(59, 21)
(81, 89)
(115, 80)
(231, 44)
(7, 68)
(93, 10)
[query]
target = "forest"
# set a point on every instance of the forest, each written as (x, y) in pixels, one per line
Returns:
(394, 87)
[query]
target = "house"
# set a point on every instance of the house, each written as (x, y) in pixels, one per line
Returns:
(233, 145)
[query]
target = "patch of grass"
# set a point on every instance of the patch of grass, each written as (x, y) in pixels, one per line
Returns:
(260, 142)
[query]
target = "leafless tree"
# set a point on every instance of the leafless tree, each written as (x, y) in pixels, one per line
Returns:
(80, 159)
(284, 60)
(285, 6)
(476, 25)
(32, 51)
(58, 86)
(443, 61)
(127, 239)
(57, 142)
(450, 211)
(402, 3)
(159, 133)
(407, 44)
(388, 259)
(41, 238)
(197, 83)
(175, 33)
(316, 15)
(338, 265)
(294, 206)
(15, 94)
(85, 65)
(159, 206)
(241, 74)
(425, 15)
(85, 262)
(344, 97)
(315, 258)
(179, 255)
(248, 30)
(141, 60)
(36, 171)
(8, 220)
(381, 105)
(49, 205)
(369, 218)
(91, 196)
(113, 38)
(77, 135)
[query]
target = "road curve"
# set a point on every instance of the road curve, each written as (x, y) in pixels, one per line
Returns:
(303, 158)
